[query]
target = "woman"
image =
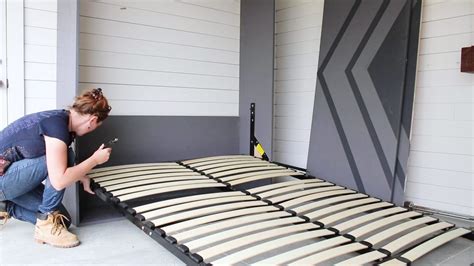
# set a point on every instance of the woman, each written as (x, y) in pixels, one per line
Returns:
(34, 149)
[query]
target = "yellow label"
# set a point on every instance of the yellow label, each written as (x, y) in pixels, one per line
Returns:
(260, 149)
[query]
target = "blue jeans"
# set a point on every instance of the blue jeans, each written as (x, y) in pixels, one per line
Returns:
(22, 189)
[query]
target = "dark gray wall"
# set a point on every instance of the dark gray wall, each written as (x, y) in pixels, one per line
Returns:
(67, 77)
(256, 71)
(162, 138)
(359, 99)
(408, 101)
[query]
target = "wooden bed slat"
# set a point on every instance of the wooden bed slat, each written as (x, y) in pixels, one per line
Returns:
(243, 160)
(433, 243)
(363, 259)
(261, 189)
(205, 211)
(210, 253)
(216, 168)
(392, 231)
(196, 244)
(152, 181)
(248, 169)
(329, 254)
(259, 177)
(167, 190)
(127, 166)
(334, 208)
(367, 218)
(317, 193)
(134, 169)
(304, 251)
(362, 231)
(321, 203)
(353, 211)
(412, 255)
(290, 204)
(215, 158)
(194, 204)
(137, 174)
(228, 223)
(185, 225)
(145, 177)
(411, 237)
(246, 175)
(299, 187)
(269, 246)
(160, 185)
(181, 200)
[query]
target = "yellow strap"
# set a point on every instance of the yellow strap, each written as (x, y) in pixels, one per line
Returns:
(260, 149)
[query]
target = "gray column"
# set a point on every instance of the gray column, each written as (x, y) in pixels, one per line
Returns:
(67, 77)
(256, 71)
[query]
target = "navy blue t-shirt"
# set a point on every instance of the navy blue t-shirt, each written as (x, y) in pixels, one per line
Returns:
(23, 139)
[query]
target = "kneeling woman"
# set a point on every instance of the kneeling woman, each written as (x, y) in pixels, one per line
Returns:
(35, 148)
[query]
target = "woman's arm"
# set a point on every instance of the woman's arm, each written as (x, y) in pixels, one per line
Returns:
(62, 176)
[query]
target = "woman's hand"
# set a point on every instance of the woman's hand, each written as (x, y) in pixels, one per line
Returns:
(86, 183)
(101, 155)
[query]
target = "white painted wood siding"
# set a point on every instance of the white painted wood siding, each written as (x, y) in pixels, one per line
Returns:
(40, 55)
(297, 39)
(440, 169)
(177, 58)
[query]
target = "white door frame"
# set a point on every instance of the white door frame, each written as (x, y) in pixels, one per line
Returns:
(3, 65)
(15, 59)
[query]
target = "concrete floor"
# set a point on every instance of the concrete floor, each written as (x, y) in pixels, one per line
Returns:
(120, 242)
(111, 243)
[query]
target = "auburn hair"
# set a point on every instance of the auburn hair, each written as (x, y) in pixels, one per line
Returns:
(92, 102)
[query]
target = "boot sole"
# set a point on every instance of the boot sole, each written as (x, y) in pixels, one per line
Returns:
(39, 241)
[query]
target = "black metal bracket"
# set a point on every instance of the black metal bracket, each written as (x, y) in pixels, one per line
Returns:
(252, 129)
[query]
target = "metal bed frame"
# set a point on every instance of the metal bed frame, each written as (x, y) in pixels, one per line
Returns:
(225, 224)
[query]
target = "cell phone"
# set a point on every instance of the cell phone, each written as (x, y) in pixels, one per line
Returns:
(111, 143)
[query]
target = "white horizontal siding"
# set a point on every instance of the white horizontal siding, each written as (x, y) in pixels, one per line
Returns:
(440, 168)
(40, 55)
(297, 38)
(211, 12)
(176, 58)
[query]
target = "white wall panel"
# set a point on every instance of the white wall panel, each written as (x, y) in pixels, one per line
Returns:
(144, 62)
(298, 10)
(449, 43)
(40, 36)
(442, 144)
(159, 20)
(181, 9)
(41, 18)
(162, 57)
(40, 55)
(148, 33)
(443, 128)
(445, 94)
(153, 78)
(162, 50)
(172, 108)
(47, 5)
(297, 38)
(164, 94)
(231, 6)
(298, 48)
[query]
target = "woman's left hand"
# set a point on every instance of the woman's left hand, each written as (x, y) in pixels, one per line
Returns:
(86, 183)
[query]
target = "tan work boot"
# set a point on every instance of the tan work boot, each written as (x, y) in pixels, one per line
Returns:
(4, 216)
(53, 231)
